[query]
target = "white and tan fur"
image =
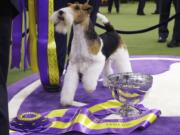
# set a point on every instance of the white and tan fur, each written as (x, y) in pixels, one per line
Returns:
(86, 56)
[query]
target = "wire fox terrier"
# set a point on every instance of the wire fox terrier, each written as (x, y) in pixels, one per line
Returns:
(91, 54)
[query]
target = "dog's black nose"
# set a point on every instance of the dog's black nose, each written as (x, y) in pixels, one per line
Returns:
(61, 12)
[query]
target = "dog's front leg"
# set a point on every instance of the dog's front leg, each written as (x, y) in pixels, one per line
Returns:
(70, 85)
(107, 71)
(91, 76)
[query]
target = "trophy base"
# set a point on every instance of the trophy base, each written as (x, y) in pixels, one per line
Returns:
(128, 111)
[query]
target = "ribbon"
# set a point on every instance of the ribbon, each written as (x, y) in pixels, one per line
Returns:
(86, 120)
(32, 35)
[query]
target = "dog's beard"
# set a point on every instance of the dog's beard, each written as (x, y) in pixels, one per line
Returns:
(61, 27)
(62, 24)
(65, 25)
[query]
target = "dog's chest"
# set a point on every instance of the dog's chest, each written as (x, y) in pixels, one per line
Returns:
(79, 50)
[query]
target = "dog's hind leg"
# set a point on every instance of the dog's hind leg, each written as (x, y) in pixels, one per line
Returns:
(91, 76)
(121, 60)
(70, 85)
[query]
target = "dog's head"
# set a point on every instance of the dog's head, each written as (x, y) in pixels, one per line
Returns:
(73, 14)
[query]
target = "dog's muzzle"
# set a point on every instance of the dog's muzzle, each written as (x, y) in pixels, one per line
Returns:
(60, 17)
(61, 12)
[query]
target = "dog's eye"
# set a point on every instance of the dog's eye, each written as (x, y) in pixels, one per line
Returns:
(77, 7)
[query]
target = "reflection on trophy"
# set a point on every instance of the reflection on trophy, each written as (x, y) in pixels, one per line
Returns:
(130, 89)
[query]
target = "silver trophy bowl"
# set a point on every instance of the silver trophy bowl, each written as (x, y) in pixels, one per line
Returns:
(130, 89)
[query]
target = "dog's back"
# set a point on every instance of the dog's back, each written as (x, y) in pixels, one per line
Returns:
(111, 39)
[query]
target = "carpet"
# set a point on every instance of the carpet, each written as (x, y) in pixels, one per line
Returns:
(28, 95)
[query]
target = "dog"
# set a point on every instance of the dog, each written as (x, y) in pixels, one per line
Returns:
(91, 54)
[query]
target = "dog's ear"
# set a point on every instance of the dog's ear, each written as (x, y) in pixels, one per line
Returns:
(76, 2)
(69, 4)
(87, 7)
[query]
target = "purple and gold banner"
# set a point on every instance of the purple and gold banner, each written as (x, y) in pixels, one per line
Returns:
(32, 35)
(25, 37)
(41, 46)
(42, 28)
(16, 42)
(47, 57)
(15, 133)
(19, 25)
(52, 56)
(90, 119)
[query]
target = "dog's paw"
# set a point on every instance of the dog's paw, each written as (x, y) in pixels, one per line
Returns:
(66, 102)
(90, 88)
(105, 82)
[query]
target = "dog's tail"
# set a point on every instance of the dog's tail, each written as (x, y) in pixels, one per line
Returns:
(106, 22)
